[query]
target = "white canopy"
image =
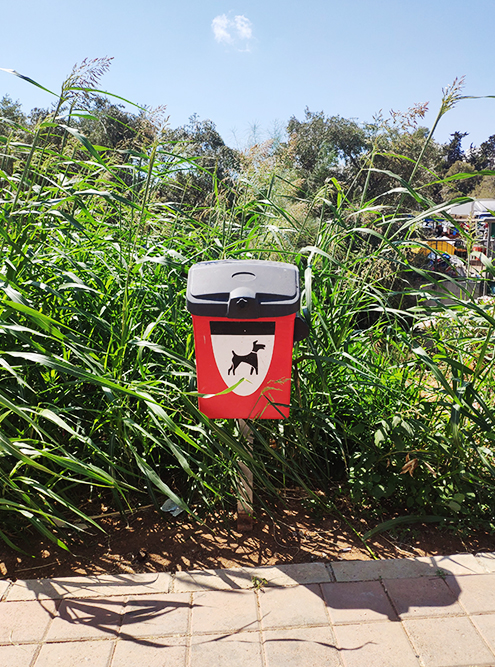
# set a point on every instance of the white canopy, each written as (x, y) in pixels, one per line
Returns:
(473, 207)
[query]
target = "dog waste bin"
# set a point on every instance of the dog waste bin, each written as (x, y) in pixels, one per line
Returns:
(244, 319)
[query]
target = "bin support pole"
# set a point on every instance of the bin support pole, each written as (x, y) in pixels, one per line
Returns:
(245, 486)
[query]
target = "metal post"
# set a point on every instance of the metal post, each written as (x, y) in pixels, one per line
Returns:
(245, 486)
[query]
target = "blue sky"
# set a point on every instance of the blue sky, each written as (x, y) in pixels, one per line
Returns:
(253, 62)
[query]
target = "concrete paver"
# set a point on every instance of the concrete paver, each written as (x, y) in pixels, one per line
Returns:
(375, 645)
(357, 601)
(311, 647)
(240, 578)
(90, 587)
(74, 654)
(369, 570)
(294, 606)
(475, 593)
(485, 624)
(17, 656)
(25, 621)
(456, 564)
(487, 561)
(4, 587)
(224, 611)
(156, 615)
(424, 566)
(170, 652)
(239, 650)
(428, 596)
(428, 612)
(211, 580)
(291, 575)
(86, 619)
(448, 642)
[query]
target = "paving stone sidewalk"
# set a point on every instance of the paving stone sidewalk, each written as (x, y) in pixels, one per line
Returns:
(429, 612)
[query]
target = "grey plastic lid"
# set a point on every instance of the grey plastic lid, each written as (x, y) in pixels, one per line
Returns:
(243, 289)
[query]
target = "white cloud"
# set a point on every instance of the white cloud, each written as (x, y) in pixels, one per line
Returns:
(243, 26)
(220, 26)
(237, 31)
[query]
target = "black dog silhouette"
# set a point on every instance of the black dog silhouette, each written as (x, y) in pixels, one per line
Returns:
(251, 359)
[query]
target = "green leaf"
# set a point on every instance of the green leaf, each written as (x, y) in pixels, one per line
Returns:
(455, 507)
(380, 437)
(388, 525)
(26, 78)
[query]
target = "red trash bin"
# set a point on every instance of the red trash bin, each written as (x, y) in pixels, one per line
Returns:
(244, 319)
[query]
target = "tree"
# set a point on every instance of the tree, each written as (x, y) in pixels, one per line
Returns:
(453, 150)
(109, 124)
(397, 150)
(322, 147)
(484, 156)
(459, 188)
(361, 154)
(485, 189)
(202, 158)
(11, 115)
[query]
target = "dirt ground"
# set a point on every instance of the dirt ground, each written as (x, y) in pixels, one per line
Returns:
(145, 541)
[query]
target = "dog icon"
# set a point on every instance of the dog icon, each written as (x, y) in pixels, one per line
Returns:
(251, 358)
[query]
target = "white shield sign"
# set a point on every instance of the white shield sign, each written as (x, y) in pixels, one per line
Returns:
(243, 351)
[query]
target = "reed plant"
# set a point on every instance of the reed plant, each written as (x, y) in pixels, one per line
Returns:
(97, 372)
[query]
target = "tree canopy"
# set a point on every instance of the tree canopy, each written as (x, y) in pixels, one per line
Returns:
(313, 152)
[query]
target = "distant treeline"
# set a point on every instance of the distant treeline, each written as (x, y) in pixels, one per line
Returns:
(315, 154)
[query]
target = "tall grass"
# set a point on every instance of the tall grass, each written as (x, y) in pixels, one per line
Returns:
(97, 373)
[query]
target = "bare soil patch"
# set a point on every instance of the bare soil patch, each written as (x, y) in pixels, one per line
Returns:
(146, 541)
